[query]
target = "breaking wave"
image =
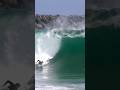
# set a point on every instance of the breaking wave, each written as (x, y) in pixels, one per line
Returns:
(48, 41)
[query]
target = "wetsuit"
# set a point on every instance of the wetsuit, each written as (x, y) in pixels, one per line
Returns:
(40, 62)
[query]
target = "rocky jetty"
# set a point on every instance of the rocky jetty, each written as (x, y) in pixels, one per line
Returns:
(43, 21)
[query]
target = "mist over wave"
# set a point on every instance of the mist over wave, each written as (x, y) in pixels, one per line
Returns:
(70, 22)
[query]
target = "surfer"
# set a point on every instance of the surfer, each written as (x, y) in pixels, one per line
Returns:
(40, 62)
(12, 86)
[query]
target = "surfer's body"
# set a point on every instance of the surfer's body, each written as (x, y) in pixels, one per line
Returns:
(40, 62)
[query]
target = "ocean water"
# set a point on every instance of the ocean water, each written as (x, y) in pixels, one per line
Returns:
(63, 55)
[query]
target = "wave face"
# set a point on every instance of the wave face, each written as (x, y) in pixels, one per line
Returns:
(48, 42)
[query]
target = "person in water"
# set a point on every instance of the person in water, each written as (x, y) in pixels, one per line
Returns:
(12, 86)
(40, 62)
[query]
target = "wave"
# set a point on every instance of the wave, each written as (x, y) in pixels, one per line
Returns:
(48, 41)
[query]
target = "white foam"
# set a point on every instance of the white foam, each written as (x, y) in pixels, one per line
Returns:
(46, 46)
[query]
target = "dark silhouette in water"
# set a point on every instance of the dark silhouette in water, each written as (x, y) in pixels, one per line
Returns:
(12, 86)
(40, 62)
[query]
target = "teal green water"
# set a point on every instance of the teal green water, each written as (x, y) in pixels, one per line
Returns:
(71, 58)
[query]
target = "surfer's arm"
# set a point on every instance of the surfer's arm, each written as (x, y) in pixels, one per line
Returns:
(8, 82)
